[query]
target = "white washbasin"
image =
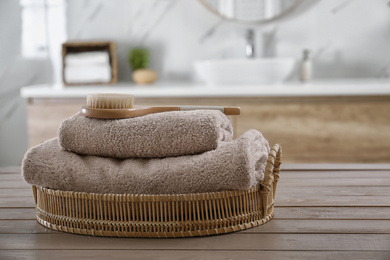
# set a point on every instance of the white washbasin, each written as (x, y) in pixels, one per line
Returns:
(244, 71)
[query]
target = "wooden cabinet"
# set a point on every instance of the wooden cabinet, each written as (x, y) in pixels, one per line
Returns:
(323, 131)
(310, 129)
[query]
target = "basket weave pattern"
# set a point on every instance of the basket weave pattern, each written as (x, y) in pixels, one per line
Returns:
(177, 215)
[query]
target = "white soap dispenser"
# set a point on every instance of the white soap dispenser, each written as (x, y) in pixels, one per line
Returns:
(306, 66)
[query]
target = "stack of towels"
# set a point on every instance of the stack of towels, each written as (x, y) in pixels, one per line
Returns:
(164, 153)
(87, 67)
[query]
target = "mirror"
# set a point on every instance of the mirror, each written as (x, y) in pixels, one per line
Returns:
(251, 11)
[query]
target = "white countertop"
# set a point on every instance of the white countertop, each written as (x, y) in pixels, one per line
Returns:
(356, 87)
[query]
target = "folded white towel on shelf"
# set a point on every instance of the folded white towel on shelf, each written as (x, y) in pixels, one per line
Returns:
(87, 58)
(87, 74)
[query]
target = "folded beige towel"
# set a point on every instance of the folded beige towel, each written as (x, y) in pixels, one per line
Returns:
(234, 165)
(152, 136)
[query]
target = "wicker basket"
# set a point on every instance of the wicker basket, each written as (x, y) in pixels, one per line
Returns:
(162, 216)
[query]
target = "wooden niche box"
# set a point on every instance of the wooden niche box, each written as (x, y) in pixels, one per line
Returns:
(89, 49)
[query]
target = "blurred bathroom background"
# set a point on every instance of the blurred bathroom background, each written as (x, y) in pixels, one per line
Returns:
(348, 39)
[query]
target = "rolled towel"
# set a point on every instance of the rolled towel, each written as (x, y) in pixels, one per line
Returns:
(234, 165)
(151, 136)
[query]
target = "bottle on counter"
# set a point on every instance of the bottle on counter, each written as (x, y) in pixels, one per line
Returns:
(306, 66)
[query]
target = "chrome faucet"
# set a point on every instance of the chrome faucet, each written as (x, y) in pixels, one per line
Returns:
(250, 44)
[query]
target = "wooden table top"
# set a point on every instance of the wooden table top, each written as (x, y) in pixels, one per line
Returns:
(323, 211)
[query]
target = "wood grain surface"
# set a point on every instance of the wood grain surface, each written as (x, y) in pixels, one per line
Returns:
(332, 212)
(323, 132)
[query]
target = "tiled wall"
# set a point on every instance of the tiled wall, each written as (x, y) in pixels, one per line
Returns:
(349, 38)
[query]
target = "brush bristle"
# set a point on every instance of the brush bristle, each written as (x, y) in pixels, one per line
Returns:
(110, 101)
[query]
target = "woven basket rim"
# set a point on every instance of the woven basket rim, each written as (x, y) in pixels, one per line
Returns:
(149, 197)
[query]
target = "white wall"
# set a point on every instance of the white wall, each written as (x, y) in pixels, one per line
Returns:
(15, 72)
(349, 39)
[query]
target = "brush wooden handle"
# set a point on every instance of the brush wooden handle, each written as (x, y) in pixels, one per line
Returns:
(145, 110)
(226, 110)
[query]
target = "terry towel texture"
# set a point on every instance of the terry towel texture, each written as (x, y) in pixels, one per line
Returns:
(234, 165)
(151, 136)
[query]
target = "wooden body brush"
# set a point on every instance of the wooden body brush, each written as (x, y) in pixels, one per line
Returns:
(118, 106)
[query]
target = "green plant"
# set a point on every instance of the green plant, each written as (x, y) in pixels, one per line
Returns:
(139, 58)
